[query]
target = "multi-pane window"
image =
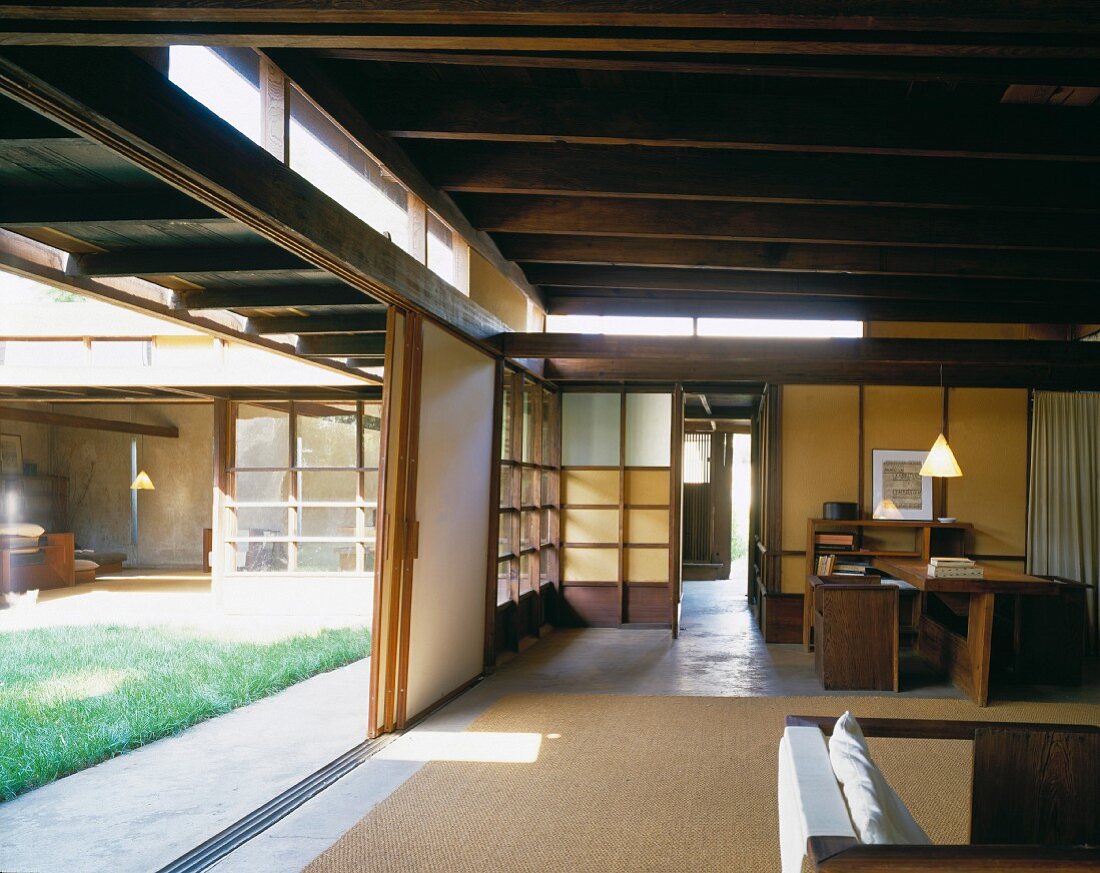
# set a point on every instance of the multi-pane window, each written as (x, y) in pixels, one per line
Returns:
(529, 481)
(303, 491)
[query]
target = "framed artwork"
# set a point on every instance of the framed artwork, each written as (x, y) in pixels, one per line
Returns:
(11, 453)
(898, 490)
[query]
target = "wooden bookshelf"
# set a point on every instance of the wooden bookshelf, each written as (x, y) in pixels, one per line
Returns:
(879, 538)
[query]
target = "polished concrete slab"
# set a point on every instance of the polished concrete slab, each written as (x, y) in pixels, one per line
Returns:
(720, 652)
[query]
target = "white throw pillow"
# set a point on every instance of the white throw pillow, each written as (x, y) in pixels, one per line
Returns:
(83, 564)
(19, 529)
(877, 812)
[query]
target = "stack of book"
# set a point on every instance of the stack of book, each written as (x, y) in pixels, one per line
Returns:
(954, 568)
(824, 565)
(847, 565)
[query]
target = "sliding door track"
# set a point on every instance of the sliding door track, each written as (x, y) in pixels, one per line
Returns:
(207, 854)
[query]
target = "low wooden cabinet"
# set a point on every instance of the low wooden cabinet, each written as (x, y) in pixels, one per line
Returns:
(856, 628)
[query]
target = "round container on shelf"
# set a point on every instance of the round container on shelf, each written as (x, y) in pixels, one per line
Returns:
(839, 511)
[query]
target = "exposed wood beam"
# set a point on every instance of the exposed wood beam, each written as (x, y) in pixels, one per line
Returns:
(45, 208)
(1071, 17)
(704, 174)
(42, 263)
(1023, 363)
(831, 258)
(332, 100)
(700, 219)
(598, 301)
(984, 71)
(186, 259)
(343, 345)
(56, 419)
(271, 297)
(352, 323)
(436, 111)
(114, 98)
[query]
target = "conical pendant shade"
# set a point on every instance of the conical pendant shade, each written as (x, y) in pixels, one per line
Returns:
(142, 483)
(941, 461)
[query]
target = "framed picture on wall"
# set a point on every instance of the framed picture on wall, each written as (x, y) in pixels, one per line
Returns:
(898, 490)
(11, 453)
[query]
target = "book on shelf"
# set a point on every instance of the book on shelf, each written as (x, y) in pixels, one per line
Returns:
(952, 562)
(824, 565)
(836, 540)
(942, 571)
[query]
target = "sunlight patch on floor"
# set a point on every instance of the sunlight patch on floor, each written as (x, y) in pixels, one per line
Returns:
(475, 746)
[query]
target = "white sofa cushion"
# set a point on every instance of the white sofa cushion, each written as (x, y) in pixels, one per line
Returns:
(84, 564)
(19, 529)
(877, 813)
(810, 802)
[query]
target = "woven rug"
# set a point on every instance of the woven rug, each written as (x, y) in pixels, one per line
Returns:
(617, 783)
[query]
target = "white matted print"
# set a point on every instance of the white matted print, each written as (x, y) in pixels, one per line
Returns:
(898, 490)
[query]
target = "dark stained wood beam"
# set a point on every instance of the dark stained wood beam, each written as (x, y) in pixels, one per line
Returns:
(613, 301)
(271, 296)
(1023, 363)
(20, 208)
(8, 413)
(984, 71)
(352, 323)
(114, 98)
(814, 258)
(703, 174)
(1071, 17)
(343, 345)
(781, 222)
(667, 119)
(186, 259)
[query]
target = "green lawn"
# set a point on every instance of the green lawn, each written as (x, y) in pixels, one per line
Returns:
(71, 697)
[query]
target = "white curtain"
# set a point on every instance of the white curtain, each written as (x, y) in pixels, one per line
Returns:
(1063, 527)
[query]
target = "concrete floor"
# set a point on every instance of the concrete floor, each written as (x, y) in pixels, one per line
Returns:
(719, 653)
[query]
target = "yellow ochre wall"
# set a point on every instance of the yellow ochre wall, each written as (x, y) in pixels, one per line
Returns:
(496, 293)
(987, 429)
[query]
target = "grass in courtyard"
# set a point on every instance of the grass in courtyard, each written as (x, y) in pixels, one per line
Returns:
(71, 697)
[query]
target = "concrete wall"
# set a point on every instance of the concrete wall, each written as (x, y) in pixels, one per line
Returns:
(97, 463)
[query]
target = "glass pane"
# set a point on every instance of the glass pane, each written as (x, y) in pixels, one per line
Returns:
(546, 526)
(328, 158)
(262, 435)
(315, 486)
(530, 495)
(506, 419)
(372, 433)
(648, 430)
(548, 565)
(547, 431)
(506, 575)
(546, 494)
(504, 535)
(327, 522)
(441, 254)
(326, 435)
(261, 557)
(370, 487)
(590, 430)
(530, 402)
(121, 353)
(529, 530)
(506, 485)
(262, 487)
(326, 557)
(225, 81)
(527, 565)
(261, 521)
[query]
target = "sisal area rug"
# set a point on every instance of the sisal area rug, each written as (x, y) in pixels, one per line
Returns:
(617, 783)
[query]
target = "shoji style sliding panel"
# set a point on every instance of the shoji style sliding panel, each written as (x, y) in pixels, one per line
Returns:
(616, 521)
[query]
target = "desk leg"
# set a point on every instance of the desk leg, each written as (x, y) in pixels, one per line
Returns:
(979, 639)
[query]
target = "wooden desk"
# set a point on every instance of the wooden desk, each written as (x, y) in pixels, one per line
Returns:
(966, 658)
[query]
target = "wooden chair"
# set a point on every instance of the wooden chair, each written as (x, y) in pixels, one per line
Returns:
(1035, 800)
(50, 567)
(855, 633)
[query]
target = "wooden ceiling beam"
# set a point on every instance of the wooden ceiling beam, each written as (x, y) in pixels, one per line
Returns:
(8, 413)
(185, 259)
(116, 99)
(727, 121)
(799, 257)
(703, 174)
(352, 323)
(20, 208)
(763, 283)
(970, 71)
(343, 345)
(1070, 17)
(272, 297)
(605, 301)
(780, 222)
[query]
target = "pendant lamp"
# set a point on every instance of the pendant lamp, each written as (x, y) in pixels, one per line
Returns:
(941, 461)
(141, 482)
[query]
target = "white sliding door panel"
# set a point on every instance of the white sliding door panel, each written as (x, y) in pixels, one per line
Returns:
(447, 626)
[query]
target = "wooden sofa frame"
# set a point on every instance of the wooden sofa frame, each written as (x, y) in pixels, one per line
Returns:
(1001, 749)
(54, 571)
